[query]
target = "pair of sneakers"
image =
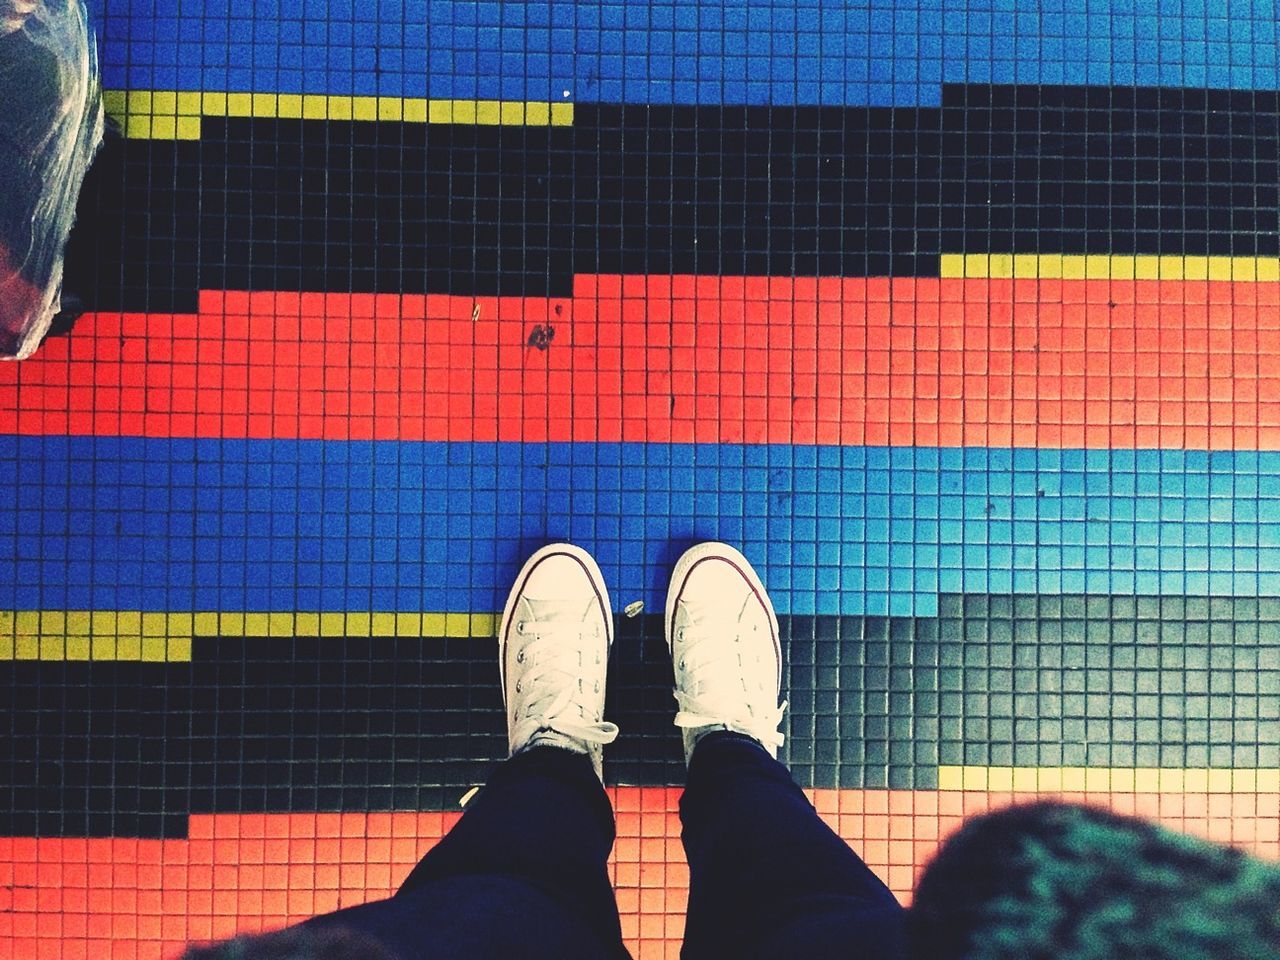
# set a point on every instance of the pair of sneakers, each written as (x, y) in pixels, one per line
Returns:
(557, 629)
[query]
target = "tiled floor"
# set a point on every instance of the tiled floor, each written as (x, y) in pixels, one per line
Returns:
(961, 322)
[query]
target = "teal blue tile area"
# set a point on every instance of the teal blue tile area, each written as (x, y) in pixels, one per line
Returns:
(125, 523)
(879, 52)
(1110, 681)
(1102, 681)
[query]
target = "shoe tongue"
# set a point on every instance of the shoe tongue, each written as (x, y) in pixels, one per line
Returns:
(713, 610)
(553, 607)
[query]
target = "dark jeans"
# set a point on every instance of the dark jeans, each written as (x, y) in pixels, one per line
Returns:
(523, 874)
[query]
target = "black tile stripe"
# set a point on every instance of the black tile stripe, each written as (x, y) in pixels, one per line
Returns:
(367, 724)
(291, 204)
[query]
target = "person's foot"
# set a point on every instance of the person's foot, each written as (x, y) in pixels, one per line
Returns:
(723, 636)
(553, 654)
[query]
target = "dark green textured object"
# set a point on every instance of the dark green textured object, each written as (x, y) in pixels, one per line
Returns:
(1053, 881)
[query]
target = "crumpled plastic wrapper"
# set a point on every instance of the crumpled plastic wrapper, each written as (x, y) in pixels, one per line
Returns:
(50, 127)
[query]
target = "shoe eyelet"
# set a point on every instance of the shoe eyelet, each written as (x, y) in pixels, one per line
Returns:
(517, 686)
(520, 657)
(519, 626)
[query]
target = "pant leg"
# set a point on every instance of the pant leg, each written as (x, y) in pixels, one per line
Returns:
(543, 817)
(767, 877)
(523, 874)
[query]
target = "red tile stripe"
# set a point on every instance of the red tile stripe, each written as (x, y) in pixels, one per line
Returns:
(79, 899)
(1093, 363)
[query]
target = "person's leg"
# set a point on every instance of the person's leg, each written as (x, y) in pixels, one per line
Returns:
(767, 877)
(544, 818)
(523, 873)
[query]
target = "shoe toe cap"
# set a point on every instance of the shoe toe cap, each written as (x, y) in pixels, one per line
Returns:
(559, 576)
(718, 581)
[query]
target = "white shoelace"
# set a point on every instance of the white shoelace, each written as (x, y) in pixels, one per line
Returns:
(713, 707)
(552, 656)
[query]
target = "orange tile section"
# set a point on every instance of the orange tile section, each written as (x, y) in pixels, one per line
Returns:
(76, 899)
(979, 362)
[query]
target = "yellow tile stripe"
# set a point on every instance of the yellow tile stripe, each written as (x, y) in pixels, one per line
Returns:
(167, 637)
(1107, 780)
(177, 115)
(1031, 266)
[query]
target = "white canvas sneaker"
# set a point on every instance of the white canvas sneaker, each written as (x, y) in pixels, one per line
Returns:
(723, 636)
(553, 654)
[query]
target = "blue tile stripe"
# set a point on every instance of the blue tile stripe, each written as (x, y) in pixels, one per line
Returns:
(877, 52)
(171, 525)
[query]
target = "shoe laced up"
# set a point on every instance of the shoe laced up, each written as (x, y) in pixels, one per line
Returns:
(553, 654)
(552, 692)
(716, 691)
